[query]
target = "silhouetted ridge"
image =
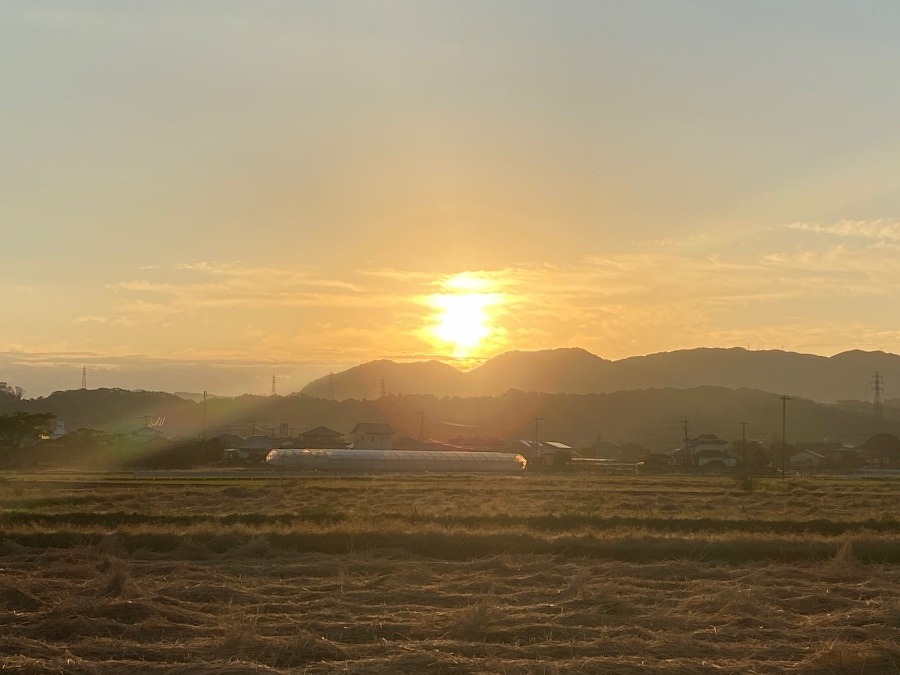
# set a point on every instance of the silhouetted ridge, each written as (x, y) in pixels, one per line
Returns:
(573, 370)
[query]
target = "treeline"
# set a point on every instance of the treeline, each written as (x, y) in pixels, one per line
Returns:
(652, 418)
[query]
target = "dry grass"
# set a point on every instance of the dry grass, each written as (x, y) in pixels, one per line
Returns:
(451, 575)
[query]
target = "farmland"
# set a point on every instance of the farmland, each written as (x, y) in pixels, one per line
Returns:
(450, 574)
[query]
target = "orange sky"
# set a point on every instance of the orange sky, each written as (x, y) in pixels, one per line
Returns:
(199, 196)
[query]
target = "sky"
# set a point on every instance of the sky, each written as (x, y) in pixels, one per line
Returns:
(199, 196)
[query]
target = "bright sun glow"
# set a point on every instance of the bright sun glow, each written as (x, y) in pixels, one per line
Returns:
(465, 315)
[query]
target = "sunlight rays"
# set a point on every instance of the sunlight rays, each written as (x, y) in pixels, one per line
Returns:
(464, 318)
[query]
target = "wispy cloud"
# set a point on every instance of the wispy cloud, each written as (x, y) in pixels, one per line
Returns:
(214, 285)
(880, 229)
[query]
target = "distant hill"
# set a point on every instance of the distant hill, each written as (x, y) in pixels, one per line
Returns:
(552, 371)
(364, 381)
(826, 379)
(112, 410)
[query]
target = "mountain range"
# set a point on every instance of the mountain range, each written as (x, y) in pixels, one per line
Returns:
(572, 395)
(568, 395)
(848, 375)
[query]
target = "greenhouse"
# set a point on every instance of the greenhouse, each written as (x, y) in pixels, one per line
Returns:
(362, 461)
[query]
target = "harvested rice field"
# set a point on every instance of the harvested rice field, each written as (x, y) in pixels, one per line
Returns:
(448, 574)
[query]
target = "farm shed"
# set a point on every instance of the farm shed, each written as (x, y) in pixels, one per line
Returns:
(356, 460)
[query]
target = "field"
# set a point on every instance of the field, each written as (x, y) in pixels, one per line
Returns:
(448, 574)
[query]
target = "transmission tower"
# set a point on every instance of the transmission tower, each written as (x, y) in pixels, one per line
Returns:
(877, 408)
(273, 386)
(84, 377)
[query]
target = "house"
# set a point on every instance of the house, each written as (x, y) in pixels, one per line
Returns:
(544, 454)
(704, 450)
(373, 436)
(58, 432)
(807, 460)
(321, 437)
(254, 449)
(712, 459)
(603, 449)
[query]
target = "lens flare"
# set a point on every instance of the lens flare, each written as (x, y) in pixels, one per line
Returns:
(465, 315)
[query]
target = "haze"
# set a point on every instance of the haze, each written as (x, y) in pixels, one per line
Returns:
(198, 196)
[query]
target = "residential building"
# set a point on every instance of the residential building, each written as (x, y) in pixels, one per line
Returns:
(373, 436)
(321, 437)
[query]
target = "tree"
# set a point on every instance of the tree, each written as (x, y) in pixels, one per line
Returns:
(882, 450)
(756, 454)
(780, 454)
(19, 429)
(10, 391)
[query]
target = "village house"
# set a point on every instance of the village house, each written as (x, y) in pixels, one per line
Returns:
(373, 436)
(321, 437)
(254, 449)
(544, 454)
(706, 452)
(807, 461)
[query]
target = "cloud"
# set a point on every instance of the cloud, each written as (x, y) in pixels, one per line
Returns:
(222, 286)
(269, 276)
(880, 229)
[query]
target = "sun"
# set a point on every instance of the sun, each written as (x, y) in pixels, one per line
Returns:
(465, 315)
(463, 321)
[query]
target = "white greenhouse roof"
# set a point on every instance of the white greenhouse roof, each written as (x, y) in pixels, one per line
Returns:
(350, 459)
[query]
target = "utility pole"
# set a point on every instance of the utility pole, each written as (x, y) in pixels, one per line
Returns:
(534, 445)
(784, 400)
(877, 410)
(744, 445)
(331, 386)
(421, 428)
(204, 415)
(690, 460)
